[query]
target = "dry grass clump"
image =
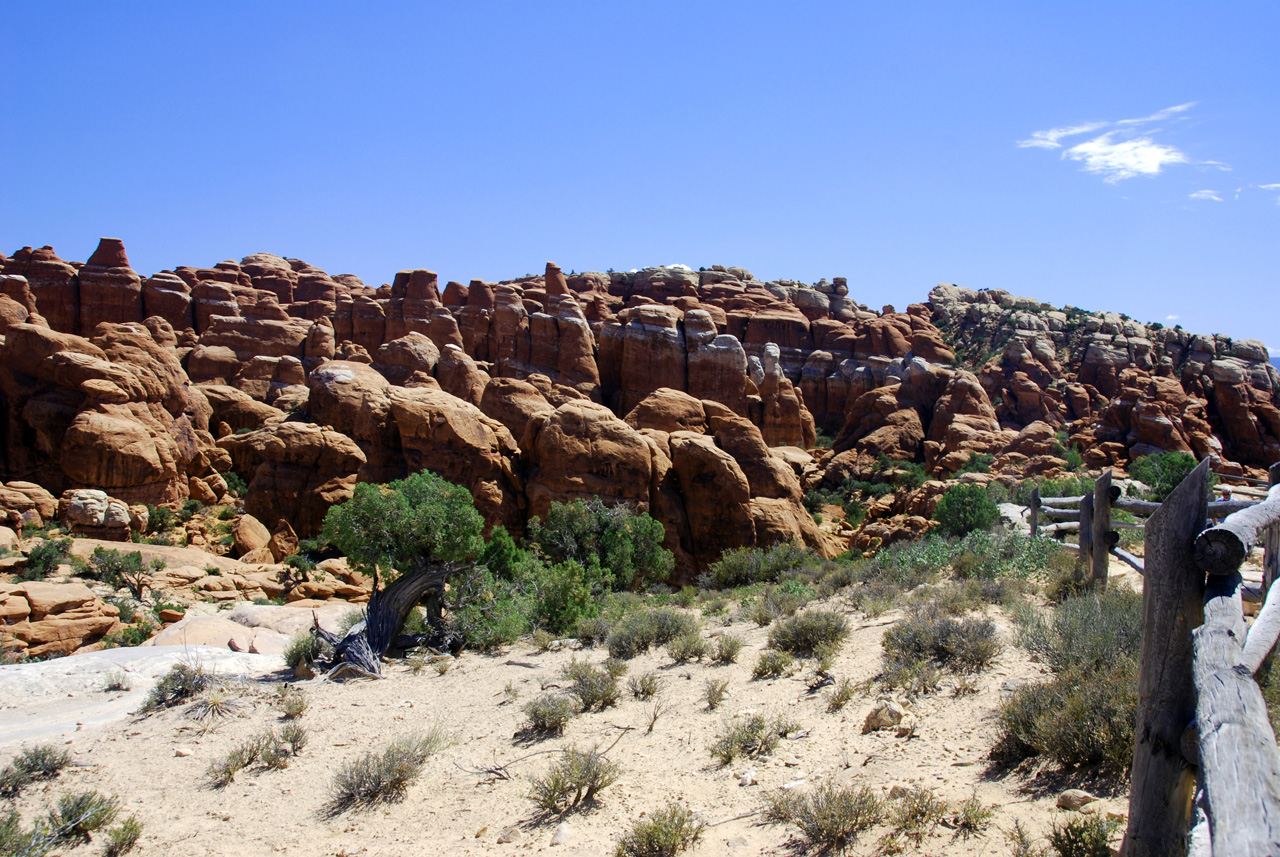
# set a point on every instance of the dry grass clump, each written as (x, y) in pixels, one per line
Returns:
(384, 776)
(215, 704)
(841, 695)
(772, 664)
(714, 693)
(305, 647)
(916, 813)
(687, 647)
(805, 633)
(291, 702)
(271, 750)
(645, 686)
(830, 817)
(665, 833)
(595, 688)
(575, 779)
(550, 712)
(117, 680)
(725, 650)
(960, 645)
(749, 736)
(181, 683)
(972, 816)
(77, 815)
(1083, 836)
(123, 839)
(42, 762)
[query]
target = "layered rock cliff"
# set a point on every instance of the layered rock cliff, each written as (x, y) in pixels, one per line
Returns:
(680, 392)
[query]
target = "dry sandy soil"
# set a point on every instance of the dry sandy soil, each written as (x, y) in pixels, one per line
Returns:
(454, 810)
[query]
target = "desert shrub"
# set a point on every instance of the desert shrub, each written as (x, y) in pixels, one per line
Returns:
(903, 474)
(749, 736)
(625, 547)
(841, 695)
(550, 712)
(181, 683)
(117, 680)
(188, 510)
(614, 667)
(961, 645)
(666, 833)
(295, 735)
(236, 485)
(44, 558)
(784, 599)
(215, 704)
(639, 631)
(291, 702)
(916, 813)
(965, 508)
(575, 779)
(1162, 472)
(384, 776)
(714, 692)
(830, 817)
(645, 686)
(804, 633)
(595, 688)
(304, 647)
(130, 635)
(772, 664)
(119, 570)
(77, 815)
(744, 566)
(42, 762)
(1085, 715)
(160, 518)
(1083, 836)
(725, 649)
(977, 462)
(687, 647)
(1089, 629)
(124, 838)
(487, 611)
(972, 816)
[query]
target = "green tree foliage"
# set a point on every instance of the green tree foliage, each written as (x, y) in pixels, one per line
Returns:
(613, 544)
(1162, 472)
(966, 508)
(405, 526)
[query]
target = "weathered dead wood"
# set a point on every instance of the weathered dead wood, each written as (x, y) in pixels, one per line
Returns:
(1217, 509)
(1061, 514)
(1222, 549)
(1064, 527)
(1086, 530)
(1034, 515)
(1201, 842)
(1262, 635)
(1172, 605)
(1132, 561)
(1128, 525)
(1239, 759)
(1060, 502)
(1136, 506)
(1102, 527)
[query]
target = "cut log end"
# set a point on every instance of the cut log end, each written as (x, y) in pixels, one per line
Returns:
(1220, 551)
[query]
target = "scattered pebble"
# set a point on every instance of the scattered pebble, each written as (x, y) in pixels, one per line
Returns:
(562, 834)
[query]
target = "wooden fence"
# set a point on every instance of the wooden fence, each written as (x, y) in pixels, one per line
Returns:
(1206, 769)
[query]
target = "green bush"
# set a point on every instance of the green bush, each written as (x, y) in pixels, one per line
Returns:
(1086, 630)
(614, 543)
(665, 833)
(687, 647)
(119, 570)
(595, 688)
(304, 647)
(749, 736)
(1162, 472)
(744, 566)
(772, 664)
(725, 650)
(31, 765)
(160, 518)
(45, 557)
(965, 508)
(179, 684)
(977, 462)
(641, 630)
(123, 839)
(781, 600)
(236, 486)
(551, 712)
(804, 633)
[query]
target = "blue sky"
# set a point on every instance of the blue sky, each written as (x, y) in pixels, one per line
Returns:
(898, 145)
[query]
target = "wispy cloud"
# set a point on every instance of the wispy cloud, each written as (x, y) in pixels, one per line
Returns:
(1125, 150)
(1206, 194)
(1049, 139)
(1271, 187)
(1172, 317)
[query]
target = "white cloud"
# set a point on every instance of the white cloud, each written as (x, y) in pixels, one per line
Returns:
(1172, 317)
(1159, 116)
(1049, 139)
(1125, 150)
(1116, 160)
(1269, 186)
(1206, 194)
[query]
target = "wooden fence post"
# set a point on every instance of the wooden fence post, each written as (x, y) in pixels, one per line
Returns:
(1172, 606)
(1086, 531)
(1271, 548)
(1101, 559)
(1035, 511)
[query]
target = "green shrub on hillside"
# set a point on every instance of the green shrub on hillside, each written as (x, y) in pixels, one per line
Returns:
(964, 509)
(1161, 473)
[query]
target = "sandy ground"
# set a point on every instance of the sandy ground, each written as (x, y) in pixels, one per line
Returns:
(453, 810)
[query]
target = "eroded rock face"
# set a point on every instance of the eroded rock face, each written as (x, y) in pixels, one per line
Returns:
(40, 619)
